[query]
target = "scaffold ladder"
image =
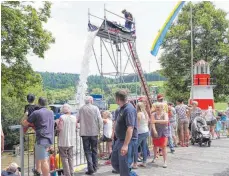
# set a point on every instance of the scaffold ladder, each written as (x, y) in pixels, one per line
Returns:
(137, 63)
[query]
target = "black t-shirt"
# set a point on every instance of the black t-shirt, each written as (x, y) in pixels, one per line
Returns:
(30, 108)
(127, 116)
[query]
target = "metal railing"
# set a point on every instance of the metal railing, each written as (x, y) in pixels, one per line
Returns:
(27, 157)
(29, 164)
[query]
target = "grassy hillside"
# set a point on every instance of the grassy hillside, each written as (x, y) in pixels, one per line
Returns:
(221, 106)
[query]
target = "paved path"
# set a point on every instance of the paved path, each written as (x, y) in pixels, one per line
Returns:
(189, 161)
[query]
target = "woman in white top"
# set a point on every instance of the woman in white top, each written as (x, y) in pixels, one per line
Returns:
(66, 126)
(107, 132)
(143, 133)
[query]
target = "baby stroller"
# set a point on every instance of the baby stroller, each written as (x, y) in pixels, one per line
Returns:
(200, 132)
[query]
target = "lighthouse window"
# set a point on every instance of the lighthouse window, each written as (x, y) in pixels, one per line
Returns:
(202, 69)
(198, 70)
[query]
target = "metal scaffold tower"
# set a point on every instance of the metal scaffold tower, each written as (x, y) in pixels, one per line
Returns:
(117, 44)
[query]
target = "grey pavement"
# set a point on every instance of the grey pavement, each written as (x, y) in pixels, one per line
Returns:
(186, 161)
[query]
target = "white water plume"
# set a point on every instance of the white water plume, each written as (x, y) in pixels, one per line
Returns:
(82, 87)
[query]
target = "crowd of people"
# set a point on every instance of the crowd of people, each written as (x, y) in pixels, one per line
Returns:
(125, 131)
(135, 122)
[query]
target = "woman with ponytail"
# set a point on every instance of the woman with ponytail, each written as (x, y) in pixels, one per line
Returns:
(143, 133)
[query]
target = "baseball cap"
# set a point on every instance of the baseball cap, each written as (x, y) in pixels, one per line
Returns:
(160, 96)
(143, 98)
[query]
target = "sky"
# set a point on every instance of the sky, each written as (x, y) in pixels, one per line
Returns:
(68, 24)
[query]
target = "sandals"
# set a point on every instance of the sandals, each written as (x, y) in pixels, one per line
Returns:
(154, 160)
(36, 173)
(134, 167)
(142, 165)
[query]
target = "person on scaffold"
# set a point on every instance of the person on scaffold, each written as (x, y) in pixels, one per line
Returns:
(129, 19)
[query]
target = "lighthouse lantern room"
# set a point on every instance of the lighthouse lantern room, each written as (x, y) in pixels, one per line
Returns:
(202, 88)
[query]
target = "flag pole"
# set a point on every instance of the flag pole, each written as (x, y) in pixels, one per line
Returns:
(191, 51)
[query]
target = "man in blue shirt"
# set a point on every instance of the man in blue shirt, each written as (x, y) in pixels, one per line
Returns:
(129, 19)
(126, 133)
(44, 127)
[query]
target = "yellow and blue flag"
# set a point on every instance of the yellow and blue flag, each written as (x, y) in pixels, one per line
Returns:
(161, 34)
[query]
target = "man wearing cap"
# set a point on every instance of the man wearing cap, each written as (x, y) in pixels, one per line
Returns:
(160, 99)
(129, 19)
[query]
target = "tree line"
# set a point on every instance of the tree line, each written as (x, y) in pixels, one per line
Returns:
(64, 80)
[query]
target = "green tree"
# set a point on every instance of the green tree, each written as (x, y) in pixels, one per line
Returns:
(22, 34)
(210, 39)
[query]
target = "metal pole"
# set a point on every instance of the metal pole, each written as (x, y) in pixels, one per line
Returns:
(97, 63)
(113, 62)
(22, 150)
(96, 17)
(88, 15)
(105, 11)
(101, 62)
(101, 57)
(191, 52)
(119, 16)
(28, 153)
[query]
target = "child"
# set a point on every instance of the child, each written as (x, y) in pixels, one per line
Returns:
(29, 108)
(59, 165)
(223, 120)
(52, 161)
(218, 128)
(55, 163)
(107, 132)
(11, 170)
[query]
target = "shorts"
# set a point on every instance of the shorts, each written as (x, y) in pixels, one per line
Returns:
(173, 127)
(160, 142)
(105, 139)
(183, 124)
(41, 152)
(212, 122)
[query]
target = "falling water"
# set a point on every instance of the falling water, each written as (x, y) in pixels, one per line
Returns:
(82, 87)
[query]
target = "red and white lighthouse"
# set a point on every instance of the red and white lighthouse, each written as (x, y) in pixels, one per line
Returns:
(202, 89)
